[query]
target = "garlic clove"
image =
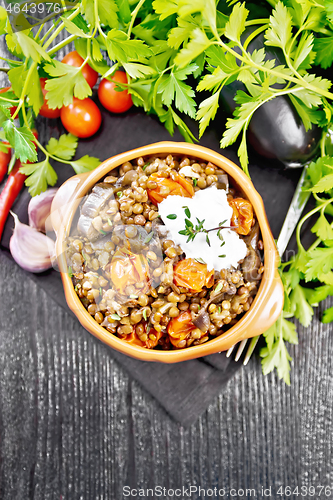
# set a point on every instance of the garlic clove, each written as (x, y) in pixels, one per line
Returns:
(39, 210)
(31, 250)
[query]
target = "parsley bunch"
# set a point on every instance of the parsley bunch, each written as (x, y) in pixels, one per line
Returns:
(307, 277)
(172, 50)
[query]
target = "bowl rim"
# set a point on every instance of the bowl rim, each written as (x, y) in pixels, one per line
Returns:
(270, 253)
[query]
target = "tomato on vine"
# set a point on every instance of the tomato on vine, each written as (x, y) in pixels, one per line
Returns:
(111, 99)
(81, 118)
(74, 59)
(45, 110)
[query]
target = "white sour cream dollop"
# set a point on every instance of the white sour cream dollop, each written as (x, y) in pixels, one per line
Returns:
(210, 205)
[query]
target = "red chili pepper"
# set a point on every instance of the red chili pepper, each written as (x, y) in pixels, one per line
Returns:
(11, 190)
(4, 161)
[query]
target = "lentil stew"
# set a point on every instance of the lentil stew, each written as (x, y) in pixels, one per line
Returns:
(135, 280)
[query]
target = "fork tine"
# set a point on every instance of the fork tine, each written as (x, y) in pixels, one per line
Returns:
(250, 350)
(240, 349)
(229, 352)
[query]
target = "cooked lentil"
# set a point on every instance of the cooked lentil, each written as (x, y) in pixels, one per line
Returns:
(123, 261)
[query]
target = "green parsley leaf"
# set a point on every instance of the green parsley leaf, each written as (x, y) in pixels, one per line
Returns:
(316, 295)
(73, 29)
(279, 34)
(122, 49)
(236, 24)
(40, 176)
(218, 287)
(4, 114)
(17, 77)
(323, 48)
(328, 315)
(198, 43)
(300, 307)
(70, 272)
(70, 81)
(279, 358)
(172, 216)
(96, 50)
(322, 228)
(207, 111)
(324, 184)
(30, 48)
(180, 34)
(136, 70)
(173, 88)
(124, 11)
(85, 164)
(165, 8)
(320, 261)
(64, 147)
(34, 92)
(21, 139)
(107, 12)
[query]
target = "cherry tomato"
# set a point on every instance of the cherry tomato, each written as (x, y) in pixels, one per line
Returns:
(166, 186)
(242, 216)
(189, 273)
(74, 59)
(81, 118)
(13, 108)
(127, 268)
(117, 102)
(45, 110)
(180, 327)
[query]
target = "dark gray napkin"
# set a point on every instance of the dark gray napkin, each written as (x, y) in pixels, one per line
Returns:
(183, 389)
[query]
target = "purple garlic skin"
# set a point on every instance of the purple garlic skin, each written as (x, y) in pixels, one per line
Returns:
(39, 209)
(31, 250)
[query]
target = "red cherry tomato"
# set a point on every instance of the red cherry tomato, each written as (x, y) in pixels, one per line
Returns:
(45, 110)
(117, 102)
(13, 108)
(74, 59)
(179, 328)
(81, 118)
(242, 216)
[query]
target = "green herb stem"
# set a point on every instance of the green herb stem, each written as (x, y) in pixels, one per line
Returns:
(62, 44)
(249, 60)
(25, 86)
(60, 28)
(306, 217)
(134, 14)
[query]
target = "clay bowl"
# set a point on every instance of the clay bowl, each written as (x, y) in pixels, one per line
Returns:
(267, 303)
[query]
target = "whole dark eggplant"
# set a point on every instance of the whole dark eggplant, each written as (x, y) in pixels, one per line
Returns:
(276, 130)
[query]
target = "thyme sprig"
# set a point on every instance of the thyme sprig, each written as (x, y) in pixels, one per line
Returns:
(192, 230)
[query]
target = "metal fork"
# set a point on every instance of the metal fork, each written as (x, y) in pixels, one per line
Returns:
(294, 213)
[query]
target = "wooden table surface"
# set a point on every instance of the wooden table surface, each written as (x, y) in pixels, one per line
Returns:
(75, 426)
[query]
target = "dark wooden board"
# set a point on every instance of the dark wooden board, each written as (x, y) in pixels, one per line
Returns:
(74, 425)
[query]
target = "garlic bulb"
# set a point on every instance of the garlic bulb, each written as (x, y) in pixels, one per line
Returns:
(31, 250)
(39, 210)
